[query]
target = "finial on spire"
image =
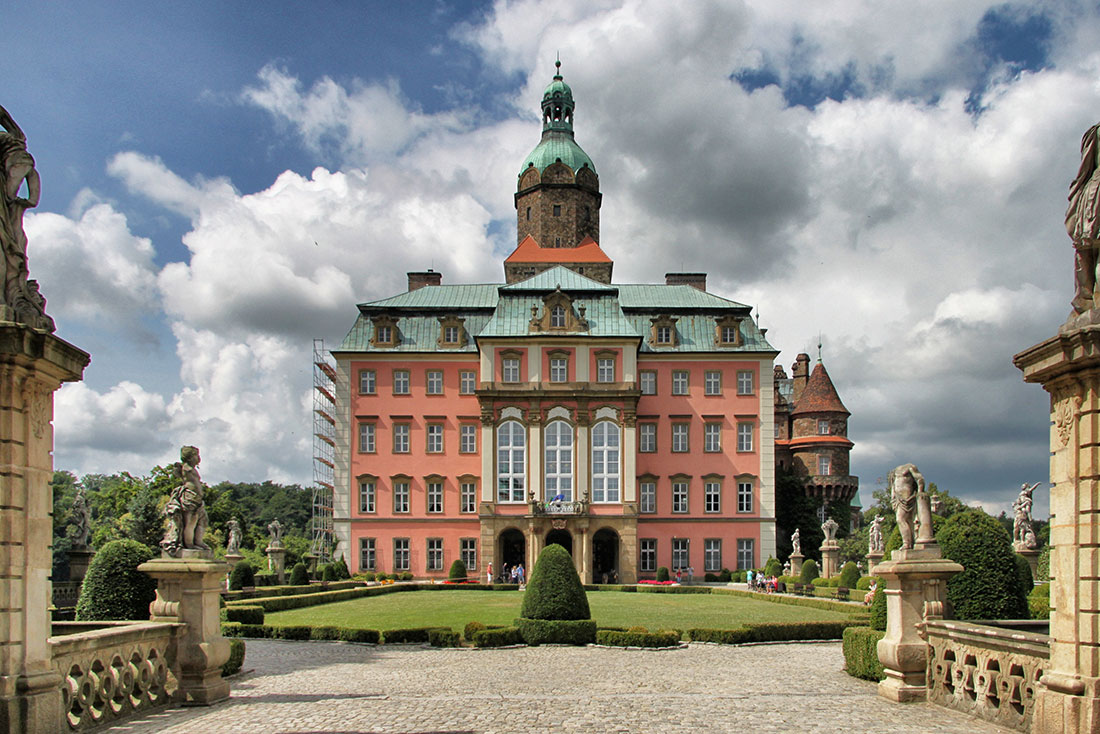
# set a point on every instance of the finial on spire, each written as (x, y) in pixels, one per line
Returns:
(557, 65)
(819, 347)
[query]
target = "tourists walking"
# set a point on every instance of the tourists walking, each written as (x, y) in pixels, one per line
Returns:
(489, 575)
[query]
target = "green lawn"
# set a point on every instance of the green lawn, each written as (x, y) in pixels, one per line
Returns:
(609, 608)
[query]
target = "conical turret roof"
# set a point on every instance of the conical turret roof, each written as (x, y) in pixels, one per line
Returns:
(819, 395)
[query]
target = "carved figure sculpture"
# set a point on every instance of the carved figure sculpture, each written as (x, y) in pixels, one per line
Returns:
(875, 543)
(911, 504)
(796, 543)
(829, 527)
(185, 510)
(1083, 222)
(233, 545)
(82, 520)
(18, 302)
(276, 531)
(1022, 532)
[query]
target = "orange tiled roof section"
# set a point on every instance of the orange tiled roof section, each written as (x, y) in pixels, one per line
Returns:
(819, 395)
(529, 251)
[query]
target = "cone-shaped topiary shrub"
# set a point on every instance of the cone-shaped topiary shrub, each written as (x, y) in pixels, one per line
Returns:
(113, 587)
(299, 575)
(458, 571)
(555, 590)
(989, 587)
(773, 567)
(662, 573)
(241, 576)
(328, 573)
(809, 571)
(849, 575)
(340, 569)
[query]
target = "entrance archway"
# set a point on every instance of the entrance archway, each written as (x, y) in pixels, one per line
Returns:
(512, 546)
(562, 538)
(605, 556)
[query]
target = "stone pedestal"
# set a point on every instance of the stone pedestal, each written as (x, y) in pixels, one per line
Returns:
(915, 583)
(188, 590)
(311, 562)
(33, 365)
(830, 559)
(1032, 557)
(873, 560)
(1068, 367)
(276, 562)
(796, 564)
(79, 560)
(232, 559)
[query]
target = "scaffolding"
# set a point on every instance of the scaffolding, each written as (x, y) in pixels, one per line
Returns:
(324, 451)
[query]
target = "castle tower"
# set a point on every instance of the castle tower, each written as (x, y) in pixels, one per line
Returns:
(558, 199)
(819, 443)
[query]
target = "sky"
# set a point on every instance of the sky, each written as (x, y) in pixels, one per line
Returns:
(223, 182)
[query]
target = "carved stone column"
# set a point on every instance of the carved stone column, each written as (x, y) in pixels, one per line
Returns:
(188, 590)
(276, 562)
(1068, 367)
(915, 584)
(1032, 557)
(33, 365)
(873, 559)
(796, 564)
(79, 560)
(830, 557)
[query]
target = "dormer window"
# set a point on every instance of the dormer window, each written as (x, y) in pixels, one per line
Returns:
(557, 317)
(450, 335)
(385, 332)
(558, 314)
(664, 334)
(663, 331)
(727, 331)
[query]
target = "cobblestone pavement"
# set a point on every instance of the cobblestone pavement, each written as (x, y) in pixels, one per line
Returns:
(301, 688)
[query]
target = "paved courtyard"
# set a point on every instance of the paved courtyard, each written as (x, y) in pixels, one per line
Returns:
(354, 689)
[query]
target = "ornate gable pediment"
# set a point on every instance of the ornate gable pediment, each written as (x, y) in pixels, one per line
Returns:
(452, 333)
(662, 332)
(558, 314)
(384, 334)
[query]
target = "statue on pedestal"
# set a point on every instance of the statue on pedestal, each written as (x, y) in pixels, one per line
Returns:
(829, 527)
(82, 520)
(1083, 222)
(912, 505)
(875, 543)
(233, 545)
(185, 510)
(796, 543)
(1023, 534)
(276, 531)
(20, 300)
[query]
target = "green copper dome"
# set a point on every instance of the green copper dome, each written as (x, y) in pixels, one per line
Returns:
(557, 131)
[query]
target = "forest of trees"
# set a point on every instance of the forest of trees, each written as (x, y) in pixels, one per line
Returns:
(127, 506)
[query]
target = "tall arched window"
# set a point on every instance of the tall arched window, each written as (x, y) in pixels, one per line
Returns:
(559, 461)
(511, 461)
(605, 462)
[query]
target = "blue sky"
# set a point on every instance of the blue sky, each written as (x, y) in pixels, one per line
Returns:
(223, 182)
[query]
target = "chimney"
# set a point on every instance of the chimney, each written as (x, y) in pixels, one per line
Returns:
(800, 375)
(428, 277)
(695, 280)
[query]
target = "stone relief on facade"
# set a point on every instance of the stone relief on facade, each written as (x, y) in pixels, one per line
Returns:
(20, 300)
(875, 543)
(912, 505)
(186, 511)
(1065, 413)
(1023, 534)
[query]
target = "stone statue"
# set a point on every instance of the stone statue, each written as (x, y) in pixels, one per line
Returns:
(912, 506)
(82, 520)
(19, 301)
(829, 527)
(1023, 536)
(185, 510)
(1083, 222)
(276, 531)
(875, 543)
(796, 543)
(233, 545)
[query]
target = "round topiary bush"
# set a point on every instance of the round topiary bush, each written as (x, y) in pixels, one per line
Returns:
(724, 576)
(113, 588)
(555, 590)
(1038, 602)
(773, 567)
(849, 575)
(241, 576)
(989, 587)
(328, 573)
(809, 572)
(458, 571)
(662, 573)
(299, 575)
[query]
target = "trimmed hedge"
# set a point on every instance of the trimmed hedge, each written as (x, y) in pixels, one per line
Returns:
(265, 592)
(250, 614)
(662, 573)
(1023, 575)
(471, 629)
(497, 637)
(649, 589)
(281, 603)
(849, 576)
(878, 608)
(409, 634)
(443, 638)
(861, 653)
(1038, 602)
(773, 632)
(864, 583)
(773, 567)
(989, 586)
(356, 635)
(241, 576)
(324, 633)
(299, 575)
(560, 631)
(113, 588)
(1043, 571)
(809, 572)
(555, 591)
(614, 638)
(260, 631)
(458, 570)
(294, 632)
(796, 601)
(236, 657)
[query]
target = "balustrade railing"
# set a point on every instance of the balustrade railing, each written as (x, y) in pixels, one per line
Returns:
(578, 507)
(112, 670)
(990, 672)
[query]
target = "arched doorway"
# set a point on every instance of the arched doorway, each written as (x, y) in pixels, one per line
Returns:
(605, 556)
(511, 549)
(562, 538)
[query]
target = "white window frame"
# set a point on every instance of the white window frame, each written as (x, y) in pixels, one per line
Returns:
(434, 496)
(712, 496)
(367, 554)
(605, 369)
(451, 334)
(467, 497)
(558, 466)
(681, 437)
(367, 443)
(746, 382)
(664, 335)
(402, 492)
(402, 382)
(511, 462)
(745, 499)
(468, 553)
(647, 438)
(824, 465)
(509, 369)
(559, 369)
(822, 427)
(401, 432)
(744, 437)
(434, 382)
(746, 553)
(681, 489)
(712, 382)
(434, 555)
(383, 335)
(368, 494)
(368, 382)
(712, 437)
(467, 438)
(557, 317)
(681, 384)
(647, 554)
(433, 441)
(712, 555)
(606, 444)
(681, 553)
(647, 496)
(401, 554)
(467, 382)
(647, 382)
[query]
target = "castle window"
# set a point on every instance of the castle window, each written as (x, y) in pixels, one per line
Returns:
(452, 333)
(559, 461)
(605, 369)
(647, 493)
(679, 438)
(679, 382)
(511, 461)
(435, 554)
(647, 438)
(559, 369)
(605, 462)
(528, 214)
(712, 495)
(744, 382)
(400, 495)
(712, 382)
(435, 495)
(663, 331)
(467, 382)
(680, 495)
(647, 559)
(823, 428)
(712, 437)
(557, 210)
(557, 317)
(400, 554)
(647, 382)
(664, 335)
(744, 496)
(385, 332)
(744, 437)
(435, 382)
(400, 382)
(509, 369)
(727, 331)
(824, 466)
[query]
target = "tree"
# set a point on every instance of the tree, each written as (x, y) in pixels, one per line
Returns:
(989, 587)
(114, 588)
(554, 590)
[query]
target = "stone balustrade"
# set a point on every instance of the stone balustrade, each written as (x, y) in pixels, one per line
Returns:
(990, 672)
(112, 670)
(65, 593)
(559, 508)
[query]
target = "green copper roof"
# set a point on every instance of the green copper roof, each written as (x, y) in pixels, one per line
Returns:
(559, 277)
(557, 146)
(671, 297)
(441, 296)
(513, 318)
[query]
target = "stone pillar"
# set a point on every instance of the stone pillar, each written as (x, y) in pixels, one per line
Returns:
(33, 364)
(1032, 557)
(873, 559)
(915, 585)
(585, 560)
(796, 564)
(276, 561)
(309, 558)
(79, 560)
(1068, 367)
(188, 590)
(830, 559)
